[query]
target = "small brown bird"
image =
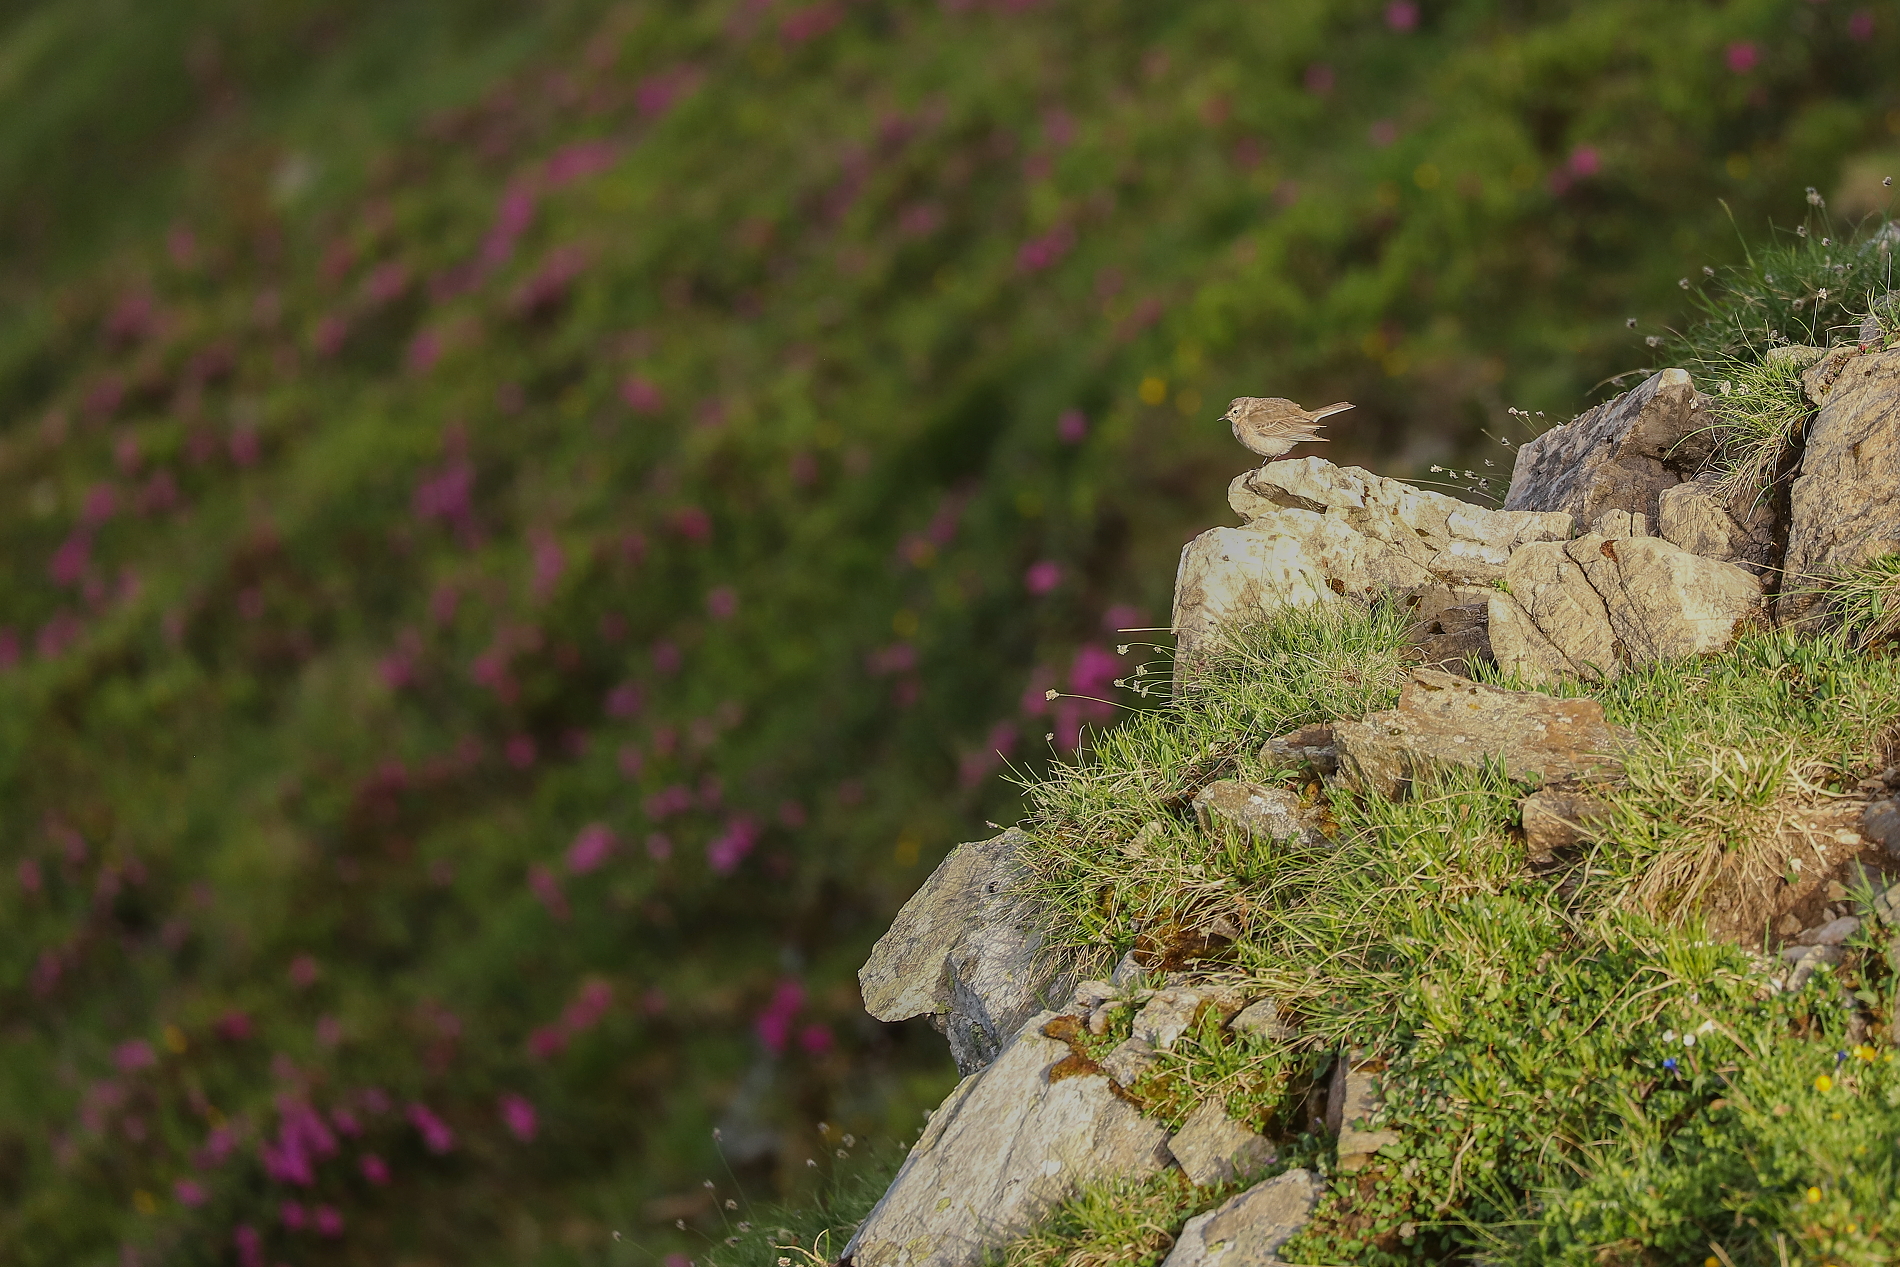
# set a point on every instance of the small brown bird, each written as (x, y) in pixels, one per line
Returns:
(1270, 425)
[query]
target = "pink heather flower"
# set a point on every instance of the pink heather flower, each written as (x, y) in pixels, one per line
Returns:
(791, 814)
(329, 1031)
(69, 561)
(190, 1193)
(667, 658)
(549, 562)
(1058, 127)
(397, 670)
(374, 1169)
(294, 1216)
(1401, 15)
(1860, 26)
(1072, 426)
(101, 501)
(29, 875)
(442, 604)
(512, 217)
(519, 751)
(1742, 56)
(134, 1055)
(446, 494)
(386, 282)
(659, 846)
(547, 1042)
(630, 760)
(304, 972)
(1383, 132)
(328, 338)
(723, 602)
(424, 351)
(328, 1221)
(589, 1005)
(810, 22)
(518, 1116)
(816, 1040)
(436, 1135)
(545, 887)
(641, 395)
(249, 1245)
(219, 1144)
(694, 524)
(9, 650)
(345, 1123)
(1584, 161)
(727, 850)
(774, 1023)
(244, 445)
(624, 700)
(181, 246)
(1248, 152)
(1042, 252)
(591, 848)
(658, 93)
(233, 1027)
(1319, 79)
(1093, 671)
(578, 161)
(1042, 577)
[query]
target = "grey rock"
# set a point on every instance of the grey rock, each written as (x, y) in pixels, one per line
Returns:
(1213, 1148)
(1844, 506)
(1887, 905)
(1798, 355)
(1620, 455)
(1263, 811)
(1745, 530)
(1590, 607)
(1444, 721)
(967, 951)
(1262, 1018)
(1007, 1145)
(1351, 1102)
(1833, 933)
(1560, 818)
(1880, 823)
(1309, 746)
(1249, 1230)
(1130, 1059)
(1171, 1011)
(1809, 962)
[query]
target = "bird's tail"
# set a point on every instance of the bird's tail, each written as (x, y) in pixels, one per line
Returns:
(1339, 408)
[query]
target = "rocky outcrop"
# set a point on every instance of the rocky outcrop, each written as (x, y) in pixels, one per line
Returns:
(1446, 722)
(1249, 1230)
(1319, 534)
(1010, 1143)
(968, 952)
(1622, 455)
(1591, 607)
(1560, 818)
(1844, 507)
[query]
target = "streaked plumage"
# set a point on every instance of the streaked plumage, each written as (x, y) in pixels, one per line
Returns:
(1270, 425)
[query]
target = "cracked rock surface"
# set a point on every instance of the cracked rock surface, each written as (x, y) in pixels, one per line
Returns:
(1844, 507)
(1010, 1143)
(1591, 607)
(1249, 1230)
(966, 951)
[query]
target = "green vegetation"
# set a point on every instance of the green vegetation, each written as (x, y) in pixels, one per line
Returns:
(527, 528)
(1579, 1072)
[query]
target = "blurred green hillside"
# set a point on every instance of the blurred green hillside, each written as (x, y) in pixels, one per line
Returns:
(528, 529)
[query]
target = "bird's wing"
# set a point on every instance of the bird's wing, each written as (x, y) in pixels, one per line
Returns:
(1329, 410)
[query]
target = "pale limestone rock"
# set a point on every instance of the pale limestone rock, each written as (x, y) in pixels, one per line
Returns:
(1248, 1230)
(1004, 1148)
(1845, 504)
(1620, 455)
(1745, 531)
(967, 951)
(1228, 575)
(1444, 721)
(1422, 536)
(1799, 355)
(1351, 1102)
(1263, 811)
(1455, 639)
(1590, 607)
(1309, 746)
(1166, 1014)
(1213, 1148)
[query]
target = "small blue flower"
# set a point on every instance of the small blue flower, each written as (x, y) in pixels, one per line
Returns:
(1670, 1064)
(1839, 1056)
